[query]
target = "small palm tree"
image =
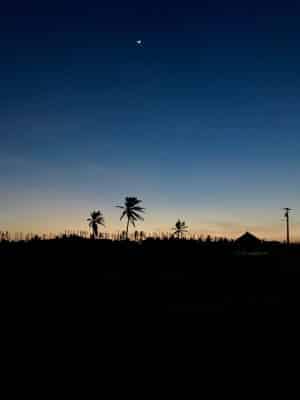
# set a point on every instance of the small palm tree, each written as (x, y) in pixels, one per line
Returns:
(180, 228)
(96, 218)
(131, 210)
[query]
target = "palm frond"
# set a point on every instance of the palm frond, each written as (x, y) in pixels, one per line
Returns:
(138, 209)
(137, 216)
(123, 215)
(99, 221)
(132, 222)
(132, 218)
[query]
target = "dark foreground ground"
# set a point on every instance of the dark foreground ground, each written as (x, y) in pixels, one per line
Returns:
(69, 278)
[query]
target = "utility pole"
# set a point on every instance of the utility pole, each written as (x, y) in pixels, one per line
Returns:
(287, 217)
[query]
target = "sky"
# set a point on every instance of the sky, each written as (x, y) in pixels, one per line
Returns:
(201, 121)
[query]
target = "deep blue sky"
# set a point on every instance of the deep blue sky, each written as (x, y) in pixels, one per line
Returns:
(202, 122)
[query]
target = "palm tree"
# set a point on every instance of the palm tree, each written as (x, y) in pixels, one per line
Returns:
(131, 210)
(96, 218)
(180, 228)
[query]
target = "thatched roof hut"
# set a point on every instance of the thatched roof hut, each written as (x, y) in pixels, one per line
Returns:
(248, 241)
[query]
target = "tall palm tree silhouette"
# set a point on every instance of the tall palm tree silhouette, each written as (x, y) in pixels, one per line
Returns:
(131, 210)
(96, 218)
(180, 228)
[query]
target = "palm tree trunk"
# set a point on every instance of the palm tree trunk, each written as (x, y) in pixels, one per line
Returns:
(127, 227)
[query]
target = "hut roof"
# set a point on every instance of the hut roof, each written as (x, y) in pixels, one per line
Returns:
(248, 238)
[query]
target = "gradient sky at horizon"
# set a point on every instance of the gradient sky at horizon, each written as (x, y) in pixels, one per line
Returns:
(202, 122)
